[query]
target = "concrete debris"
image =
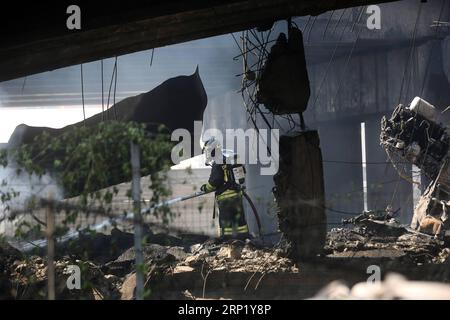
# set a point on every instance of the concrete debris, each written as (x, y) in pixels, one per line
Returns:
(238, 256)
(180, 269)
(9, 258)
(29, 280)
(443, 256)
(106, 264)
(381, 223)
(393, 287)
(128, 289)
(361, 242)
(232, 269)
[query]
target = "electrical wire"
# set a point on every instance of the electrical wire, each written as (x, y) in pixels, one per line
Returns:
(115, 87)
(348, 59)
(103, 91)
(151, 58)
(437, 31)
(328, 24)
(413, 43)
(82, 94)
(329, 66)
(110, 87)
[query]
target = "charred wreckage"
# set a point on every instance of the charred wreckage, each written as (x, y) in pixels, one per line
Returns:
(414, 135)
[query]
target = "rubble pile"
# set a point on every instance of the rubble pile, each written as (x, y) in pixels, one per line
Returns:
(360, 242)
(29, 279)
(171, 271)
(238, 256)
(105, 262)
(8, 255)
(25, 277)
(178, 267)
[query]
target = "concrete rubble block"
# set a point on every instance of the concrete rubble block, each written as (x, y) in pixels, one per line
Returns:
(197, 256)
(128, 289)
(178, 252)
(180, 269)
(300, 193)
(229, 252)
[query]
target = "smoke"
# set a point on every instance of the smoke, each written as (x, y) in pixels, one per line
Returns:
(138, 72)
(17, 189)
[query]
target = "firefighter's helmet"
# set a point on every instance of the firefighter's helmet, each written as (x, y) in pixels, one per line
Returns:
(212, 151)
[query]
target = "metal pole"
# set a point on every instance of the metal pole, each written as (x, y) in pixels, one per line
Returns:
(364, 163)
(416, 186)
(136, 192)
(50, 251)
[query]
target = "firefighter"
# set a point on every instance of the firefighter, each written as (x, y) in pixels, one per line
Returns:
(226, 180)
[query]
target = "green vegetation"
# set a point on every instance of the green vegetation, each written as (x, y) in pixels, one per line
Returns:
(84, 161)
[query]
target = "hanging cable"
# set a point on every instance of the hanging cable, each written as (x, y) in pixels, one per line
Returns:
(82, 94)
(244, 52)
(438, 31)
(306, 24)
(359, 17)
(151, 58)
(310, 29)
(413, 41)
(103, 92)
(328, 24)
(348, 60)
(413, 44)
(338, 22)
(23, 84)
(329, 66)
(115, 87)
(110, 88)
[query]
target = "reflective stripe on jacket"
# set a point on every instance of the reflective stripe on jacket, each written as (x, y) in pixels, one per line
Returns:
(229, 231)
(220, 182)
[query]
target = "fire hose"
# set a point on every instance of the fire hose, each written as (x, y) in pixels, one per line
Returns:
(255, 212)
(201, 193)
(74, 234)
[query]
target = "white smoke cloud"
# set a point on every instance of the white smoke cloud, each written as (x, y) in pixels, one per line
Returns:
(22, 187)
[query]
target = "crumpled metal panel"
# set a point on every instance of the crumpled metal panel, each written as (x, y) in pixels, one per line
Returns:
(410, 138)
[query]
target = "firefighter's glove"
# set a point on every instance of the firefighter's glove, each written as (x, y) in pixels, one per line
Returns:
(203, 188)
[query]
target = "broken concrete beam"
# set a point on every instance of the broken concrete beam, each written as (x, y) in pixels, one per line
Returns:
(300, 193)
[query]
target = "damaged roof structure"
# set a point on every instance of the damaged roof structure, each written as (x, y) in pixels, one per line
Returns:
(322, 93)
(112, 30)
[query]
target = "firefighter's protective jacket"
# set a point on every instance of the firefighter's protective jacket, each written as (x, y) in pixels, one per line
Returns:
(222, 182)
(229, 199)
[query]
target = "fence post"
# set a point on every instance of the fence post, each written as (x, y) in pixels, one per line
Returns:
(136, 193)
(50, 250)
